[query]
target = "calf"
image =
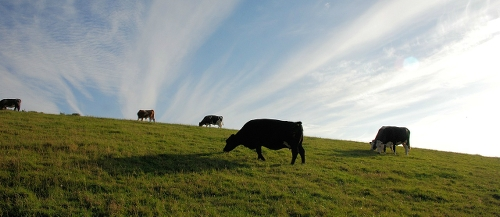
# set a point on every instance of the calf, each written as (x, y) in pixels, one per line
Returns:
(141, 114)
(272, 134)
(9, 103)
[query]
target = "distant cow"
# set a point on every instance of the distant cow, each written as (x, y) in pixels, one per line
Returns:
(141, 114)
(9, 103)
(391, 136)
(273, 134)
(212, 120)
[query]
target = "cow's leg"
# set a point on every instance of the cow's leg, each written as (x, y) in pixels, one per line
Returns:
(295, 152)
(392, 146)
(380, 147)
(259, 153)
(407, 149)
(302, 153)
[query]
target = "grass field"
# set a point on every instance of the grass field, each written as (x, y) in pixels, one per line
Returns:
(60, 165)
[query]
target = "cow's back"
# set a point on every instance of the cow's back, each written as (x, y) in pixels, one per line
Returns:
(393, 134)
(266, 130)
(398, 134)
(141, 113)
(208, 119)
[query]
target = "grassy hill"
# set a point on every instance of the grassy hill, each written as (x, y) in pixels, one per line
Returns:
(62, 165)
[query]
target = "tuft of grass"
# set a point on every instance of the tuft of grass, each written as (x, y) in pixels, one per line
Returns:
(68, 164)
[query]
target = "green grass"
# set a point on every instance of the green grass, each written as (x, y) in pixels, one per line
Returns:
(70, 165)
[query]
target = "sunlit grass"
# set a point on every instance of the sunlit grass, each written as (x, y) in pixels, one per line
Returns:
(62, 165)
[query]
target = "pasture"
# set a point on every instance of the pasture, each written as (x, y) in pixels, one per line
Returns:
(64, 165)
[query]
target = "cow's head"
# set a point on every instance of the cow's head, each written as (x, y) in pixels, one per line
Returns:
(200, 124)
(231, 143)
(373, 145)
(380, 146)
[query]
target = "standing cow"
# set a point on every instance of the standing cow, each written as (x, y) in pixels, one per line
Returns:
(212, 120)
(273, 134)
(141, 114)
(391, 136)
(9, 103)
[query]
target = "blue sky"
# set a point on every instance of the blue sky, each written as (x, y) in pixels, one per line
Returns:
(343, 68)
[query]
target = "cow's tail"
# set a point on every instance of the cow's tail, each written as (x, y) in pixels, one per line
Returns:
(18, 102)
(408, 143)
(301, 132)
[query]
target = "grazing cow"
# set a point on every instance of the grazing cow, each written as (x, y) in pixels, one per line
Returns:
(273, 134)
(212, 120)
(391, 136)
(9, 103)
(141, 114)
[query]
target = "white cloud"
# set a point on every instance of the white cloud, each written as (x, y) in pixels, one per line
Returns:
(124, 49)
(350, 99)
(450, 94)
(360, 34)
(171, 32)
(343, 77)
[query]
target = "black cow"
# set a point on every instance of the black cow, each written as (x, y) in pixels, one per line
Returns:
(273, 134)
(391, 136)
(141, 114)
(9, 103)
(212, 120)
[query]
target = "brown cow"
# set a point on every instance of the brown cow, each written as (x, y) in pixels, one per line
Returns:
(141, 114)
(9, 103)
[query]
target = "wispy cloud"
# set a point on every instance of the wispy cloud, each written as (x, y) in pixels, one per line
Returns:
(342, 93)
(171, 32)
(132, 51)
(376, 93)
(342, 68)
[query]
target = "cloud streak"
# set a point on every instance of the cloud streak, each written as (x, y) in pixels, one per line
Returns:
(171, 32)
(342, 68)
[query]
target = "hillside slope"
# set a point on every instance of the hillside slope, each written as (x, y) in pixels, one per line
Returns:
(61, 165)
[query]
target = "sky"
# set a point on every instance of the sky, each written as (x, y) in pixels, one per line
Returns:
(344, 68)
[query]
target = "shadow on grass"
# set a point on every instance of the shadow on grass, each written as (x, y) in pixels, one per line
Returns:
(356, 153)
(166, 164)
